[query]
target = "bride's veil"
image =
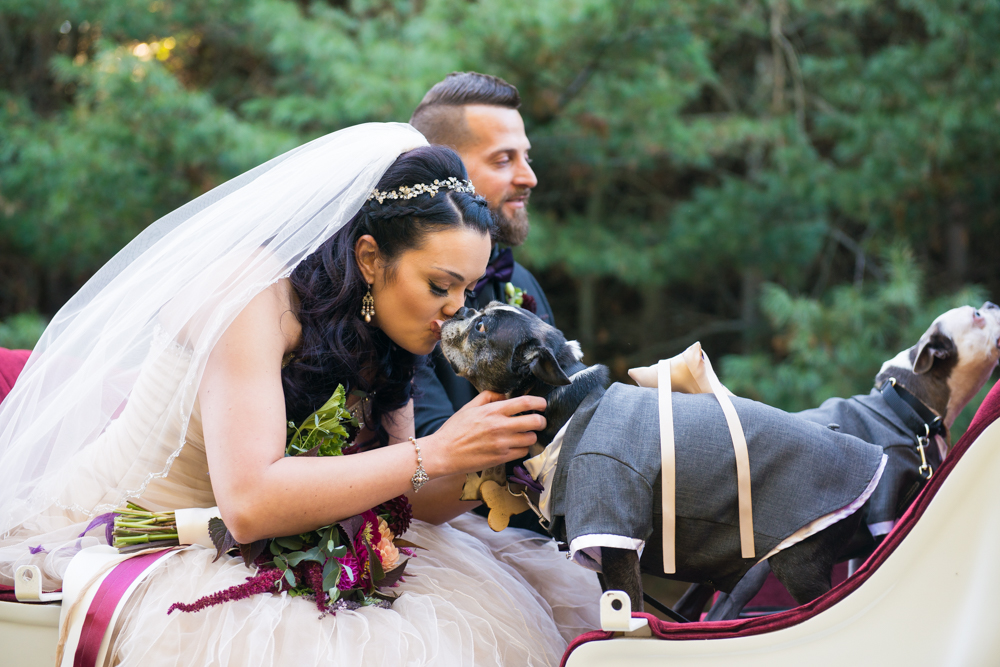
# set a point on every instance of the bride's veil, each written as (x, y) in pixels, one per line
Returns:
(179, 283)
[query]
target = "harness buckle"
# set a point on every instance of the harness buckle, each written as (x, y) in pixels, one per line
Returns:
(523, 494)
(924, 470)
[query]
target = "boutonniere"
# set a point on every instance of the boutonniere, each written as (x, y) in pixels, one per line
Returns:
(518, 297)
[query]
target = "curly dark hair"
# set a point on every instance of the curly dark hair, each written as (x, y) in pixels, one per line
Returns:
(338, 346)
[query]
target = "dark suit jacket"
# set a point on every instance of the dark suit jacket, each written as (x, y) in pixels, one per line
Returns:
(439, 393)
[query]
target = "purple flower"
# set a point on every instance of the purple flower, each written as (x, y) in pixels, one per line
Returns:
(38, 550)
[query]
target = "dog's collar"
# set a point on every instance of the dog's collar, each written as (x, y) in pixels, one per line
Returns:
(918, 417)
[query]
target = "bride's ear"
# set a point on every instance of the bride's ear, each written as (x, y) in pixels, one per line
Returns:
(367, 256)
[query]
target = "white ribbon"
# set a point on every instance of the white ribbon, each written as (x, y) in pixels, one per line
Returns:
(691, 373)
(192, 525)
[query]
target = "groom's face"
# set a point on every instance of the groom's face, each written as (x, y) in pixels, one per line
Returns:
(497, 159)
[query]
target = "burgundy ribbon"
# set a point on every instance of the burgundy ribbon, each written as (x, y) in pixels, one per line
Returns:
(102, 608)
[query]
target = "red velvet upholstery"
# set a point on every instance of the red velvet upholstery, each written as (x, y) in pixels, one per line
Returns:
(987, 413)
(11, 363)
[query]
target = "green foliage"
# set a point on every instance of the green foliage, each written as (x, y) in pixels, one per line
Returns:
(21, 331)
(687, 153)
(835, 346)
(323, 433)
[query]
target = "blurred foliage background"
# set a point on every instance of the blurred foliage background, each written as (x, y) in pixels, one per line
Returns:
(802, 185)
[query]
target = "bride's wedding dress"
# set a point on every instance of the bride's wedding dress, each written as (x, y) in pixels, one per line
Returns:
(106, 411)
(470, 596)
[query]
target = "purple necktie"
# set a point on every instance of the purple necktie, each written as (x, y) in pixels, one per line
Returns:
(500, 269)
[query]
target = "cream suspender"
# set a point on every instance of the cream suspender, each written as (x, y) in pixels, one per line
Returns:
(691, 373)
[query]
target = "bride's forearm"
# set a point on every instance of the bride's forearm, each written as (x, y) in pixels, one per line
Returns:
(297, 494)
(438, 501)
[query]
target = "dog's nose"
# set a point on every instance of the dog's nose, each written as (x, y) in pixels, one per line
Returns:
(461, 313)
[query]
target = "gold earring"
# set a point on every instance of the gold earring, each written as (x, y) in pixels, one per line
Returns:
(368, 306)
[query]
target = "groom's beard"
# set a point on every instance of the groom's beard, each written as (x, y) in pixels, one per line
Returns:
(513, 230)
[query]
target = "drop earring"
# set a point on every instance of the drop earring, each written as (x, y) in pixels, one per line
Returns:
(368, 306)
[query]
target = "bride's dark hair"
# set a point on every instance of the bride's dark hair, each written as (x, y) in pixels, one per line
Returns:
(338, 346)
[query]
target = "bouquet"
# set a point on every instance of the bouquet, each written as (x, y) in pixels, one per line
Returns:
(344, 565)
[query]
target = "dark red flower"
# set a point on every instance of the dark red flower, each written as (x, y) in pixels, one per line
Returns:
(528, 303)
(350, 574)
(397, 513)
(262, 582)
(312, 573)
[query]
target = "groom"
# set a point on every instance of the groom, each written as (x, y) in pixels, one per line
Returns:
(476, 114)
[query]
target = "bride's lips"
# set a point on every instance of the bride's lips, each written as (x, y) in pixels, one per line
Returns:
(436, 328)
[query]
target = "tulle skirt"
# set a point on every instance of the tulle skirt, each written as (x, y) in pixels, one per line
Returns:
(470, 597)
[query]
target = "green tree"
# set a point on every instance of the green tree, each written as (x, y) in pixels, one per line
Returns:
(696, 160)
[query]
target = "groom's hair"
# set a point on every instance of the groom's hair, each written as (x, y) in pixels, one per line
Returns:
(440, 116)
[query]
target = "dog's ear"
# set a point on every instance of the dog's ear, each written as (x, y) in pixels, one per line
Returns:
(932, 345)
(543, 365)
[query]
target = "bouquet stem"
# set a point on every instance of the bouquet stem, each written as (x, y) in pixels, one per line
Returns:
(135, 525)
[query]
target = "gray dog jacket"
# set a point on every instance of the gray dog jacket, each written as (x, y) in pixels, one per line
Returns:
(871, 419)
(607, 478)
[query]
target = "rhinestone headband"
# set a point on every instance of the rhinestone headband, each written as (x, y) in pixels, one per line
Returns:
(411, 191)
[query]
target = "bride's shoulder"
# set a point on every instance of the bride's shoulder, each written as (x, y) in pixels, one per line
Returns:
(271, 313)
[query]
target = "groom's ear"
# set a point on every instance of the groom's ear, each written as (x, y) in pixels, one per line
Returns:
(367, 256)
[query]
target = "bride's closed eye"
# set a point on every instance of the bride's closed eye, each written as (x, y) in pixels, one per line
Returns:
(437, 290)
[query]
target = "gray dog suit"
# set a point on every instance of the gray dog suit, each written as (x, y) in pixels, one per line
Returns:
(873, 420)
(800, 471)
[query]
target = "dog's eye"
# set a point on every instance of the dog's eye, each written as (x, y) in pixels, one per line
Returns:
(481, 327)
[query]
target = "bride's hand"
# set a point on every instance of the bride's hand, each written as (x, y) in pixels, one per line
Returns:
(487, 431)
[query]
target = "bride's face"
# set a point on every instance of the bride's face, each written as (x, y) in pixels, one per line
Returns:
(425, 285)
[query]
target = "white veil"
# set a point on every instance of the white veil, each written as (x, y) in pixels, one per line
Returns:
(179, 283)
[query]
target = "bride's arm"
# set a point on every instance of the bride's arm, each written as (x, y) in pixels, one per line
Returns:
(438, 500)
(261, 493)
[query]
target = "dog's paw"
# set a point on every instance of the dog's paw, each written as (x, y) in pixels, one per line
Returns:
(502, 504)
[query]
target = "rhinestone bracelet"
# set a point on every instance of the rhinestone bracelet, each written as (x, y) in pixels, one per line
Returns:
(420, 476)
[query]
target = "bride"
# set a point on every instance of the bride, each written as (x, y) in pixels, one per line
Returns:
(170, 377)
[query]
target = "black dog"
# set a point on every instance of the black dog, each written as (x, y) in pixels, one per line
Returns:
(800, 524)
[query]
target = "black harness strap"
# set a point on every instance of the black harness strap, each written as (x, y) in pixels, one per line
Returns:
(921, 421)
(917, 416)
(663, 609)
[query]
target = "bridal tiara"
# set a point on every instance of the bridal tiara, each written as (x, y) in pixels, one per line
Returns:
(411, 191)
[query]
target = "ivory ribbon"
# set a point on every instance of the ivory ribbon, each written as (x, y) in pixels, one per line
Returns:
(668, 467)
(192, 525)
(691, 373)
